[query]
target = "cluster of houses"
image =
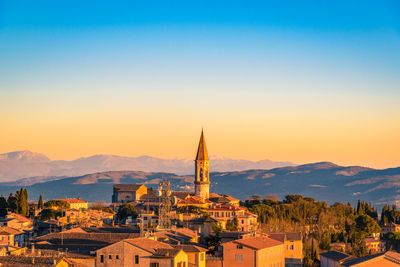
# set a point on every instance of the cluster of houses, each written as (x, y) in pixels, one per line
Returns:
(171, 228)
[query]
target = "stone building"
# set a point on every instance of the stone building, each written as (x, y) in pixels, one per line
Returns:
(141, 252)
(254, 251)
(202, 170)
(125, 193)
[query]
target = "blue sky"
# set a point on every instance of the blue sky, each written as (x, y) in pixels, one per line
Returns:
(261, 64)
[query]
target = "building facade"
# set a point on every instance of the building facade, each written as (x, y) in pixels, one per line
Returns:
(254, 251)
(125, 193)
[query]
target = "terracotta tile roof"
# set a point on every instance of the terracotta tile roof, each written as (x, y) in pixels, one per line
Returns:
(258, 242)
(224, 207)
(336, 255)
(388, 255)
(23, 261)
(180, 234)
(127, 187)
(148, 244)
(85, 238)
(212, 195)
(289, 236)
(9, 231)
(166, 252)
(193, 200)
(363, 260)
(190, 248)
(19, 217)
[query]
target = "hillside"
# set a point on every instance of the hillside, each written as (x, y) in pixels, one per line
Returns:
(26, 164)
(323, 181)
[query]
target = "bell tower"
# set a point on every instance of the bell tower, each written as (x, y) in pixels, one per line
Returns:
(202, 170)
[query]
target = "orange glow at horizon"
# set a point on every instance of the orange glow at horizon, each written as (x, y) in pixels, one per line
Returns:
(298, 134)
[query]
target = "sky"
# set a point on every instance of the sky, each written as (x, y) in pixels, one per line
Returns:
(300, 81)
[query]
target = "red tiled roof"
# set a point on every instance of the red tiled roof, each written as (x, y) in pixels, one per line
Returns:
(148, 244)
(193, 200)
(222, 207)
(258, 242)
(9, 231)
(19, 217)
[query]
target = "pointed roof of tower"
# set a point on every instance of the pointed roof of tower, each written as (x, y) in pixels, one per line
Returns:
(202, 149)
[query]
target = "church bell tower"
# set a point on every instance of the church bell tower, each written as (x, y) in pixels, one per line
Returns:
(202, 170)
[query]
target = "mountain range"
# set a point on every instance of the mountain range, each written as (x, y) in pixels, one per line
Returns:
(323, 181)
(27, 164)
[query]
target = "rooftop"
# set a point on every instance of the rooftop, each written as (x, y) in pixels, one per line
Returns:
(336, 255)
(388, 256)
(127, 187)
(148, 244)
(5, 230)
(258, 242)
(289, 236)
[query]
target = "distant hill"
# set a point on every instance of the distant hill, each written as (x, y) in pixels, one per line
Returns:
(26, 164)
(324, 181)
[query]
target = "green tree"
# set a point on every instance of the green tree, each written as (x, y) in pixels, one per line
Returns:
(40, 203)
(232, 225)
(325, 241)
(56, 204)
(47, 214)
(366, 225)
(12, 203)
(3, 206)
(126, 210)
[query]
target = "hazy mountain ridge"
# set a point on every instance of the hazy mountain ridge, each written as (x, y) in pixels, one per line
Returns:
(324, 181)
(25, 164)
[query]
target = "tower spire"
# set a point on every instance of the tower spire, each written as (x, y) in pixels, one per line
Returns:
(202, 149)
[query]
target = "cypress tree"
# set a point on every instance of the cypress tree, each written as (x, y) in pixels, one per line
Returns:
(12, 203)
(18, 196)
(40, 203)
(25, 210)
(3, 206)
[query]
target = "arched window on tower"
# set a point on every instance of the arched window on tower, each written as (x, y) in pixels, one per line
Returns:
(201, 174)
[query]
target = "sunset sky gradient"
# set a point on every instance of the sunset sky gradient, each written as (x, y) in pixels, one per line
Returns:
(299, 81)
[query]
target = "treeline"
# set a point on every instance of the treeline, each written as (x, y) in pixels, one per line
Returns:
(320, 223)
(17, 203)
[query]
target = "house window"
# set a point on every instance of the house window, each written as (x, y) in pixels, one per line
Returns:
(239, 247)
(239, 257)
(154, 264)
(101, 258)
(227, 214)
(145, 218)
(291, 247)
(202, 257)
(110, 257)
(136, 259)
(117, 257)
(242, 221)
